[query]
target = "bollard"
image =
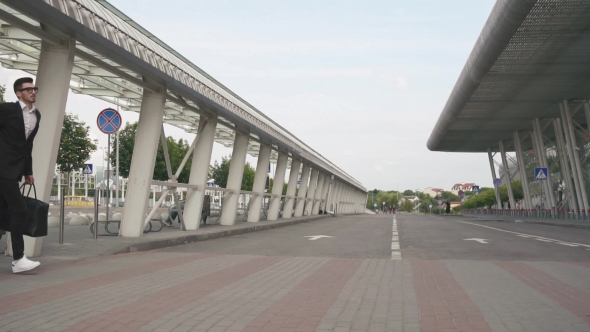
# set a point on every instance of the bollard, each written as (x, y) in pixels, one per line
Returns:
(62, 215)
(96, 194)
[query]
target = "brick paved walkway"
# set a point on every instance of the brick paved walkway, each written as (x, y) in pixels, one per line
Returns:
(161, 291)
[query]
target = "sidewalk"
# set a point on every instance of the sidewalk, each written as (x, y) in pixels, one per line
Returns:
(569, 223)
(80, 244)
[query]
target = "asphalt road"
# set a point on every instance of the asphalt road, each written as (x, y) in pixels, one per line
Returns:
(350, 236)
(447, 237)
(420, 237)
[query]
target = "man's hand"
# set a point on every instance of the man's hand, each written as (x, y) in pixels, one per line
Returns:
(29, 179)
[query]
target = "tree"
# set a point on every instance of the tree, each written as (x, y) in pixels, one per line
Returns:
(176, 149)
(408, 193)
(407, 206)
(285, 185)
(449, 196)
(75, 146)
(220, 172)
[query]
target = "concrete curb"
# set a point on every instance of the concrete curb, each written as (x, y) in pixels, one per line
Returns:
(185, 239)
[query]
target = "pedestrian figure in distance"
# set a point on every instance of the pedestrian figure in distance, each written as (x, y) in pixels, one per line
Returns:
(448, 207)
(19, 123)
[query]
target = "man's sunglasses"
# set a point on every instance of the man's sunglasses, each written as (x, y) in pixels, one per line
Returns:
(29, 90)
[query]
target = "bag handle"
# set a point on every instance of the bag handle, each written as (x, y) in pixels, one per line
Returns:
(31, 186)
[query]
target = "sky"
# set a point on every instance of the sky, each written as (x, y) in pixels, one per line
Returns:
(362, 83)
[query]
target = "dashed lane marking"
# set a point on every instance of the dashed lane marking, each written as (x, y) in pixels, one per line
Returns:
(396, 253)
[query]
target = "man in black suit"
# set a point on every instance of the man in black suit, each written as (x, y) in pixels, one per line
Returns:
(19, 123)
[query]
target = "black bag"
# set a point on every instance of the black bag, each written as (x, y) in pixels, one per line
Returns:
(37, 211)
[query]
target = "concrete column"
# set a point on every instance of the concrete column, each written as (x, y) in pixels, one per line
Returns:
(318, 193)
(543, 161)
(522, 169)
(234, 180)
(302, 190)
(325, 188)
(347, 200)
(277, 187)
(572, 144)
(328, 193)
(566, 173)
(291, 188)
(507, 174)
(338, 198)
(359, 202)
(343, 199)
(313, 184)
(324, 192)
(351, 204)
(142, 162)
(493, 169)
(259, 182)
(193, 205)
(53, 79)
(334, 192)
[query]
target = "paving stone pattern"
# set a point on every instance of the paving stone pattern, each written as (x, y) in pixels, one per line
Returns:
(200, 287)
(160, 291)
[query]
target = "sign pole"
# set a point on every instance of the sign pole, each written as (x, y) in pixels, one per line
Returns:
(108, 172)
(109, 122)
(117, 172)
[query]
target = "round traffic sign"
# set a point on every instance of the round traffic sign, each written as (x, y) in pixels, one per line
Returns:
(109, 121)
(439, 202)
(461, 193)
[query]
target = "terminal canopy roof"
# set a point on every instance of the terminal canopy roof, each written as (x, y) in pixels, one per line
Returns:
(530, 56)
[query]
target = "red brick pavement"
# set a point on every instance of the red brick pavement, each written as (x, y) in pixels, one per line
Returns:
(137, 314)
(583, 264)
(576, 300)
(34, 297)
(44, 269)
(304, 306)
(443, 304)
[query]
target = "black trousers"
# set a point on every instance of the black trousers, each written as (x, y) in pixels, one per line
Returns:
(10, 193)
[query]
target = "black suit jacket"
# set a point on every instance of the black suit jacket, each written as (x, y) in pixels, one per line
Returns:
(15, 149)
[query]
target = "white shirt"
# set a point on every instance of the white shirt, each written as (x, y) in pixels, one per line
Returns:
(30, 118)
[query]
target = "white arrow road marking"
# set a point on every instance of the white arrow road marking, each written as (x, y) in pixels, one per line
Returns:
(315, 237)
(539, 238)
(478, 240)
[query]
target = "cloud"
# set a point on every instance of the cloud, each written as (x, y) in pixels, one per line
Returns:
(401, 83)
(378, 168)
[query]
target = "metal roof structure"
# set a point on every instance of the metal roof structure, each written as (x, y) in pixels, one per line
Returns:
(114, 54)
(530, 56)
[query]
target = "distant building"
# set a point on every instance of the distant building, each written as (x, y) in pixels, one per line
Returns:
(433, 192)
(462, 186)
(413, 199)
(454, 204)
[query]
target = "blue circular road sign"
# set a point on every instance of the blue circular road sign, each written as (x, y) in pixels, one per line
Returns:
(109, 121)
